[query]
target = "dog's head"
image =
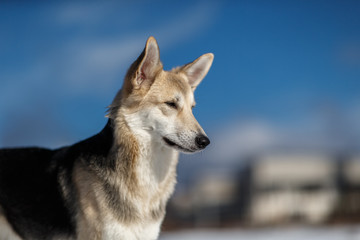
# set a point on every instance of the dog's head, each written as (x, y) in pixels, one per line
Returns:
(157, 104)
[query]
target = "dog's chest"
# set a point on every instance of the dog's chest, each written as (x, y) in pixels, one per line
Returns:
(148, 230)
(157, 170)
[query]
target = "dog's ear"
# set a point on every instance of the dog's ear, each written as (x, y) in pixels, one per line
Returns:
(149, 64)
(197, 70)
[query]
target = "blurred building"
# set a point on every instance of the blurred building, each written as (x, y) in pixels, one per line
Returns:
(289, 187)
(348, 208)
(271, 188)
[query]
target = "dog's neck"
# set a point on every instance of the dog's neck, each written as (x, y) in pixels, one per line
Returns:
(151, 165)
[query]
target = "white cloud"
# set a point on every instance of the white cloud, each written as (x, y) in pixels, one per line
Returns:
(238, 139)
(72, 13)
(85, 62)
(96, 65)
(196, 19)
(235, 140)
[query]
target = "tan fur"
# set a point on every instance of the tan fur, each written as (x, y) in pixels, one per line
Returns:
(88, 216)
(92, 196)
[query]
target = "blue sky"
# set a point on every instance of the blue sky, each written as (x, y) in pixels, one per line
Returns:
(289, 67)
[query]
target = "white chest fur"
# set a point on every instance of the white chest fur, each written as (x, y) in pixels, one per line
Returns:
(135, 231)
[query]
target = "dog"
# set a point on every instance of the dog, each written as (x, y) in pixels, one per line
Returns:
(115, 184)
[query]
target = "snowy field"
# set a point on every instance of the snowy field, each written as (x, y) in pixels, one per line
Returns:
(293, 233)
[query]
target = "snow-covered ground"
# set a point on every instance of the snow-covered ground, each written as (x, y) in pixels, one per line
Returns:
(292, 233)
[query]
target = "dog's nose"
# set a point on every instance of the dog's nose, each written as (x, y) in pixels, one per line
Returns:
(202, 141)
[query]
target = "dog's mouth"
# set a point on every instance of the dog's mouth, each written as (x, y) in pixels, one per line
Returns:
(177, 146)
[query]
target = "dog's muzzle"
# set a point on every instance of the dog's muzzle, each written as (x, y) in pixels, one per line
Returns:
(202, 141)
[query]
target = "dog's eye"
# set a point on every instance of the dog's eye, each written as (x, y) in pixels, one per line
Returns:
(171, 104)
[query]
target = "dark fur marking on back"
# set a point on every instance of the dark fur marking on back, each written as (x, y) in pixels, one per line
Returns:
(36, 190)
(29, 194)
